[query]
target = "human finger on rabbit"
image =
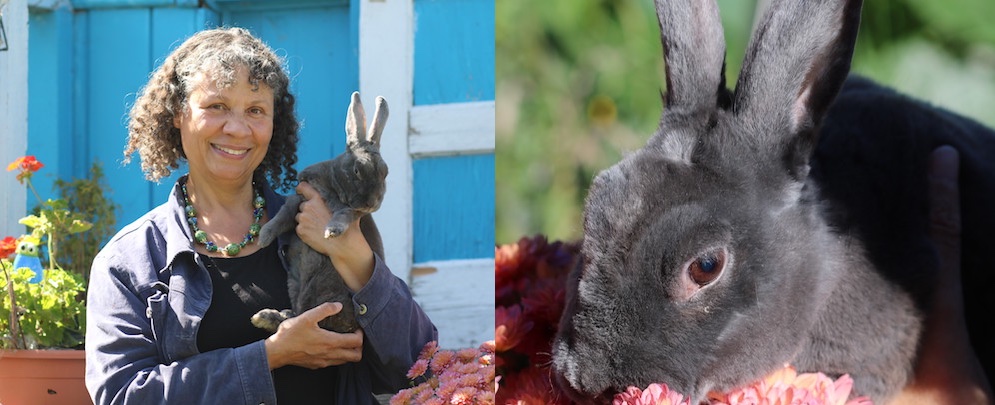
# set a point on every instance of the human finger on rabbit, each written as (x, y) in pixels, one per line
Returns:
(350, 252)
(312, 215)
(948, 371)
(300, 342)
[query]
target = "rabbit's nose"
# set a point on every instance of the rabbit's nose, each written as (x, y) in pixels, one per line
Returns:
(578, 397)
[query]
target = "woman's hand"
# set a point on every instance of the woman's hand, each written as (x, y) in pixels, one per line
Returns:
(350, 253)
(301, 342)
(947, 371)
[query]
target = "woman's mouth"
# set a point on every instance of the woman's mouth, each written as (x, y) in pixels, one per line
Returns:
(230, 151)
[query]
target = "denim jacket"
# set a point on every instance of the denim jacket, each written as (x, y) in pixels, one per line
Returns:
(149, 290)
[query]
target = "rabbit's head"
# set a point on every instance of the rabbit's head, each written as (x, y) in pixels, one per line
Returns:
(358, 175)
(703, 260)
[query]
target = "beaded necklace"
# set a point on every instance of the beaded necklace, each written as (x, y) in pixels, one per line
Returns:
(233, 248)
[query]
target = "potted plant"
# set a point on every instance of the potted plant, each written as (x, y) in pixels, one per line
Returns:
(42, 309)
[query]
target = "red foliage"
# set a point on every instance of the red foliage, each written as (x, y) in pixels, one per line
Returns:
(530, 279)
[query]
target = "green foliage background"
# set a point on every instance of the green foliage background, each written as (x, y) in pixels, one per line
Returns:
(89, 197)
(579, 83)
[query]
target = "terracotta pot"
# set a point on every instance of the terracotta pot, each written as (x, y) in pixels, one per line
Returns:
(30, 377)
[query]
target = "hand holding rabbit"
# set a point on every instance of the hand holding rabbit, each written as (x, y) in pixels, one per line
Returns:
(300, 342)
(948, 371)
(351, 255)
(331, 254)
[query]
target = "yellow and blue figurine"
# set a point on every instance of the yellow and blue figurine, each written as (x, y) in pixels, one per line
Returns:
(28, 255)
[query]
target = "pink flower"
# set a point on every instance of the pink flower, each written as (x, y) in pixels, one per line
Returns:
(418, 369)
(429, 350)
(468, 354)
(466, 377)
(463, 396)
(441, 360)
(786, 386)
(783, 387)
(654, 394)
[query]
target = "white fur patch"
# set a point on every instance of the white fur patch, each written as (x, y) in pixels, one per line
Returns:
(792, 193)
(799, 113)
(678, 146)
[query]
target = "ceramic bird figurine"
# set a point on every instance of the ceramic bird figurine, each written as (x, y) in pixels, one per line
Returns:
(28, 255)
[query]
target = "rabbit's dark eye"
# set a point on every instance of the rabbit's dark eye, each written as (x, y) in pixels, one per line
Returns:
(707, 267)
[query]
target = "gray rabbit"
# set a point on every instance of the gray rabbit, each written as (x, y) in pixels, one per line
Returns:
(352, 185)
(782, 222)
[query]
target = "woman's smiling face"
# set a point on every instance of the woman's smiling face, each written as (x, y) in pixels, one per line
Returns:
(226, 131)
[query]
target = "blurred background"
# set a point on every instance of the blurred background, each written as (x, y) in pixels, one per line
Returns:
(579, 84)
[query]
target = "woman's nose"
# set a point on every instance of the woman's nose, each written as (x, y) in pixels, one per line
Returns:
(237, 125)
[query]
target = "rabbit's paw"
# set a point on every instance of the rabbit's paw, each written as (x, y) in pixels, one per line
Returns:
(270, 319)
(266, 236)
(334, 229)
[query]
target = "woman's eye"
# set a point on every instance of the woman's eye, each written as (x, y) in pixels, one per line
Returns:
(706, 268)
(216, 107)
(256, 111)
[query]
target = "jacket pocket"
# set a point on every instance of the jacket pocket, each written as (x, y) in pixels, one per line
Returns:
(157, 311)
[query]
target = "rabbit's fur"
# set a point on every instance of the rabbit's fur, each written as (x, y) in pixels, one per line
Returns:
(352, 185)
(822, 223)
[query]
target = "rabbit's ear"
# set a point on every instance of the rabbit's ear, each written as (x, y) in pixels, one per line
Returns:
(379, 121)
(693, 52)
(355, 121)
(795, 65)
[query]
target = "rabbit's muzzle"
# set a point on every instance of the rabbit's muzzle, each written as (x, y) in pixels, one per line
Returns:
(567, 377)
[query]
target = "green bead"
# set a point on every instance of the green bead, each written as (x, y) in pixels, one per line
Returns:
(232, 249)
(190, 211)
(259, 202)
(211, 247)
(254, 229)
(200, 236)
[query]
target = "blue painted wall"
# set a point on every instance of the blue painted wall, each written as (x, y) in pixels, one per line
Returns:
(454, 51)
(50, 103)
(454, 207)
(453, 196)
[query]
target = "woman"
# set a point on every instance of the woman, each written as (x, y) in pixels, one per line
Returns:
(168, 313)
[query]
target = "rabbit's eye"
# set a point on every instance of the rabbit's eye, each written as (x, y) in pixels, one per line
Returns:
(707, 267)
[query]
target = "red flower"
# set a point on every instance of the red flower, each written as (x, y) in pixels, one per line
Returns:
(7, 247)
(27, 165)
(530, 386)
(510, 328)
(530, 277)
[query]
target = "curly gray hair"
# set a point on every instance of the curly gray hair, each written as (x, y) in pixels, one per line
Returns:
(218, 53)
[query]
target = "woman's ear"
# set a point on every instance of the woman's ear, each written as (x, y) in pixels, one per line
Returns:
(178, 116)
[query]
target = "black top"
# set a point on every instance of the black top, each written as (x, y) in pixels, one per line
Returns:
(243, 286)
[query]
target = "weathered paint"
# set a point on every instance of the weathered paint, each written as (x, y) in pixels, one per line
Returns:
(13, 112)
(385, 30)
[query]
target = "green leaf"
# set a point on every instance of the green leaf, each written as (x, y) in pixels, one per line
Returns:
(78, 226)
(32, 221)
